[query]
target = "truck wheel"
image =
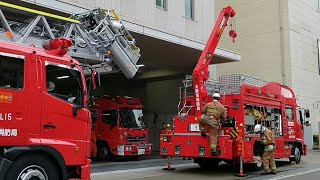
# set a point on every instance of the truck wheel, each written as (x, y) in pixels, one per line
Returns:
(297, 154)
(33, 167)
(103, 152)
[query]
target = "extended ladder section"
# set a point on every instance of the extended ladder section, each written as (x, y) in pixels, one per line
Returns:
(99, 37)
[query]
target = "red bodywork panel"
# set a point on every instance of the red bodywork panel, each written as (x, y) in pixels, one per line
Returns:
(122, 141)
(272, 95)
(28, 110)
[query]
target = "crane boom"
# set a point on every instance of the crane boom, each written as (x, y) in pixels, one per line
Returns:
(201, 71)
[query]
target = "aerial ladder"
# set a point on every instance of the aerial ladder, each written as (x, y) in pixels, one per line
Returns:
(100, 39)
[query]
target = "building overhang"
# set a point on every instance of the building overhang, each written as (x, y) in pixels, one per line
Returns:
(222, 55)
(163, 54)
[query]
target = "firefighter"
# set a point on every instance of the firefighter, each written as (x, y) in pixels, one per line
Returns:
(163, 129)
(214, 113)
(269, 148)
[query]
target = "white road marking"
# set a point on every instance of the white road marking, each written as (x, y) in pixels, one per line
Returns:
(140, 169)
(295, 174)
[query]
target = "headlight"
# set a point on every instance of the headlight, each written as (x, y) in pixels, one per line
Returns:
(128, 148)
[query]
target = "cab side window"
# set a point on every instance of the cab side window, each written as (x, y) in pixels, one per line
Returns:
(289, 113)
(65, 83)
(109, 117)
(11, 73)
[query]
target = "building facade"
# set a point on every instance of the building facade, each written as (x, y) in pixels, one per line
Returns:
(278, 41)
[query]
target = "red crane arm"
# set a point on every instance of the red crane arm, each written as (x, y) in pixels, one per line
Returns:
(201, 71)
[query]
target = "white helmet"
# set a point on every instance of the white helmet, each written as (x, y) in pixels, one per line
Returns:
(216, 96)
(258, 128)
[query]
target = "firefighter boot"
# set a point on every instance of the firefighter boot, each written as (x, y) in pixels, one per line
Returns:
(215, 152)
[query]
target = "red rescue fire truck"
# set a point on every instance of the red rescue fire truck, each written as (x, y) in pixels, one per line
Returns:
(248, 101)
(119, 127)
(45, 123)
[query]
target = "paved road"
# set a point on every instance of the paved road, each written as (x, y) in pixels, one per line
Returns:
(309, 169)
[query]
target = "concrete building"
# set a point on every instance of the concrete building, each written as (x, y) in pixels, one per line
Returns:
(171, 36)
(279, 41)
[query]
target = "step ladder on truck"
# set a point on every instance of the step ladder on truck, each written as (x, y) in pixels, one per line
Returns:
(248, 101)
(45, 126)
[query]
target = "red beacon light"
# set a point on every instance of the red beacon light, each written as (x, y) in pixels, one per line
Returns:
(57, 46)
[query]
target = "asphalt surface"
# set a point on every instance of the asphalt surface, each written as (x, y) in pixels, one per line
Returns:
(151, 169)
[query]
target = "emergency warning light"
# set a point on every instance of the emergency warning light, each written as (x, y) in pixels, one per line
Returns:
(57, 46)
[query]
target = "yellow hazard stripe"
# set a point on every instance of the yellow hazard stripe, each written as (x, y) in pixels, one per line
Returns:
(38, 12)
(233, 133)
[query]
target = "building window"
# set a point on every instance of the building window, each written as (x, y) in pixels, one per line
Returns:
(161, 4)
(189, 5)
(318, 44)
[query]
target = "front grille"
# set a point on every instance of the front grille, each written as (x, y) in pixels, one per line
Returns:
(136, 139)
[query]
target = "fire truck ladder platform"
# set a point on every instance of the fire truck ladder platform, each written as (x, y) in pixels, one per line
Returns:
(99, 37)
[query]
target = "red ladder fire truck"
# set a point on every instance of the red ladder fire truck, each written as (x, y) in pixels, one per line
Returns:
(119, 127)
(45, 125)
(248, 101)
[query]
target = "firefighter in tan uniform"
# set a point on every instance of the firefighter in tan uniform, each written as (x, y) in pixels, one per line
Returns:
(268, 155)
(214, 113)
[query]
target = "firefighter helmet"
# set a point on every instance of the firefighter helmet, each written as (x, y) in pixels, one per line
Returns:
(257, 128)
(216, 96)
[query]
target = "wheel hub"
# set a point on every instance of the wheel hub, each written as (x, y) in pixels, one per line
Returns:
(33, 173)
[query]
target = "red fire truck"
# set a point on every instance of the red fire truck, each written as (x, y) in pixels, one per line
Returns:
(119, 127)
(248, 101)
(45, 123)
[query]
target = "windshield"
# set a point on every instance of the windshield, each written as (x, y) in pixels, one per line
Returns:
(131, 118)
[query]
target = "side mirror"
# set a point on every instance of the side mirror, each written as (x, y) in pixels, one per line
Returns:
(307, 113)
(91, 101)
(308, 123)
(95, 76)
(75, 110)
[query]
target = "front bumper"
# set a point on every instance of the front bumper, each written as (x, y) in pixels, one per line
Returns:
(4, 167)
(134, 149)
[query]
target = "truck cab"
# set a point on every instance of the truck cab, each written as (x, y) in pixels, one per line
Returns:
(119, 127)
(44, 123)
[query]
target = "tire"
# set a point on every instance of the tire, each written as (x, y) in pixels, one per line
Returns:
(104, 152)
(296, 151)
(33, 167)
